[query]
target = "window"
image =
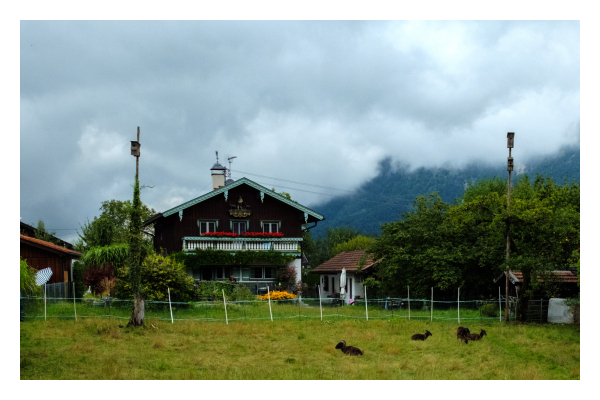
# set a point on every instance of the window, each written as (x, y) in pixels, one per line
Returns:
(256, 273)
(333, 284)
(207, 226)
(239, 227)
(326, 283)
(269, 273)
(219, 274)
(270, 227)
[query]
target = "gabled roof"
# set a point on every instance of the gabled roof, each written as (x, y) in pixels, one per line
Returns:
(243, 181)
(556, 276)
(50, 246)
(29, 230)
(347, 259)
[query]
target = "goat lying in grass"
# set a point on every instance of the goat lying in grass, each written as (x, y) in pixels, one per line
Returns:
(475, 336)
(348, 350)
(461, 334)
(418, 336)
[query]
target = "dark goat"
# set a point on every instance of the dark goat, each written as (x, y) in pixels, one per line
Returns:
(348, 350)
(418, 336)
(461, 334)
(475, 336)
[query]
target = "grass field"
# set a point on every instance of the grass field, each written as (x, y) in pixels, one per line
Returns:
(290, 349)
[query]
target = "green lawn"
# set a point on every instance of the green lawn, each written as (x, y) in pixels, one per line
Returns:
(288, 348)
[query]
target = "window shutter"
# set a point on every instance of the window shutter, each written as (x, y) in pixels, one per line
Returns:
(245, 274)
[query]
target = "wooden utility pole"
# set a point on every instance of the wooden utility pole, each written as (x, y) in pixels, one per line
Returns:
(137, 158)
(510, 139)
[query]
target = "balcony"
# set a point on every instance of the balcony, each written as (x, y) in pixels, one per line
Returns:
(284, 245)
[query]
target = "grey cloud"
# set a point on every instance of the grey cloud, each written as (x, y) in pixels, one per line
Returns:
(336, 97)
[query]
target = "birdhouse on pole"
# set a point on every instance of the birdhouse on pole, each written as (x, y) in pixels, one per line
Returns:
(135, 148)
(510, 136)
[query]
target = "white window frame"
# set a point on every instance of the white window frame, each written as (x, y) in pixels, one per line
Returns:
(270, 224)
(207, 222)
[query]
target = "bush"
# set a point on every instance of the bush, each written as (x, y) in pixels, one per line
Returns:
(286, 276)
(214, 289)
(158, 275)
(78, 271)
(489, 309)
(275, 295)
(241, 292)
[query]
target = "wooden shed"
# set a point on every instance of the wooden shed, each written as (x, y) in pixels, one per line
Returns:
(41, 254)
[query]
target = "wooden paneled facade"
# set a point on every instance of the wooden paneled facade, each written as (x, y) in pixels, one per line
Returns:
(170, 230)
(40, 254)
(179, 229)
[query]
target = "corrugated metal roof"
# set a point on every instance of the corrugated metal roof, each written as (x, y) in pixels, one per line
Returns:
(51, 246)
(348, 260)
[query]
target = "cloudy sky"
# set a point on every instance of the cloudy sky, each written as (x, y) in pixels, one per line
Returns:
(314, 102)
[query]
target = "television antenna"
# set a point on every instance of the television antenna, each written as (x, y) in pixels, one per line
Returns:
(229, 170)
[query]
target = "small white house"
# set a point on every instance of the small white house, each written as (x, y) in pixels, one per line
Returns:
(331, 272)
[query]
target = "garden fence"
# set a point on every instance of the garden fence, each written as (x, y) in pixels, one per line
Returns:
(233, 309)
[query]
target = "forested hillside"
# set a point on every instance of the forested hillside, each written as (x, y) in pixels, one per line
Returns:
(392, 192)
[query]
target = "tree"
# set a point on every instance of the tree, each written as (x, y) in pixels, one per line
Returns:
(134, 262)
(42, 234)
(463, 245)
(112, 226)
(359, 242)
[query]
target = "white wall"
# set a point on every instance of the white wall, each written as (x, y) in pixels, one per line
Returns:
(297, 265)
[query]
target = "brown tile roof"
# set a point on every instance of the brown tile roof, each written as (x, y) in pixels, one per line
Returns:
(347, 259)
(51, 246)
(557, 276)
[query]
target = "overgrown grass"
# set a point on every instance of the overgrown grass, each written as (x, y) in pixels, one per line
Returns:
(292, 349)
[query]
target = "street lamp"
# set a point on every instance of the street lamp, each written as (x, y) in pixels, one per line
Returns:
(510, 138)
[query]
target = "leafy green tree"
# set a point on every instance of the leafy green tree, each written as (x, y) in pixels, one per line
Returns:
(43, 234)
(359, 242)
(113, 225)
(464, 245)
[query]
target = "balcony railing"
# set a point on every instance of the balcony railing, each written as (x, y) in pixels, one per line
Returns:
(287, 245)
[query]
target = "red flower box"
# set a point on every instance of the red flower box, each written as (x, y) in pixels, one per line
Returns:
(246, 234)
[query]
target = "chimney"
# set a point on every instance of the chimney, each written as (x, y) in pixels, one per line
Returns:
(218, 174)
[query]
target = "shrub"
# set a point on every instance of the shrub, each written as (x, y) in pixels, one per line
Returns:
(287, 276)
(28, 286)
(489, 309)
(214, 289)
(158, 274)
(241, 292)
(275, 295)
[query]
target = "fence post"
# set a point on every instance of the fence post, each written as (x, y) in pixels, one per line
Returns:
(44, 301)
(270, 312)
(392, 307)
(499, 305)
(320, 306)
(459, 305)
(171, 309)
(366, 307)
(74, 306)
(541, 309)
(408, 287)
(432, 304)
(224, 306)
